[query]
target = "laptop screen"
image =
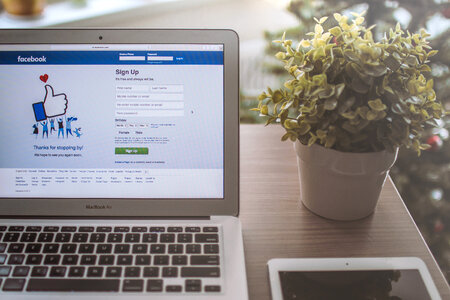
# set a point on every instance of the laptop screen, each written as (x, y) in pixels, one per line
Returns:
(112, 121)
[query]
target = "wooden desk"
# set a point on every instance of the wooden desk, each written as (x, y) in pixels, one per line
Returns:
(275, 225)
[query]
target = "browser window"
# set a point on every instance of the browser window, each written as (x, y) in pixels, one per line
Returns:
(112, 121)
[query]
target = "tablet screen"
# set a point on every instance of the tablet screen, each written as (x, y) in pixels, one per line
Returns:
(357, 285)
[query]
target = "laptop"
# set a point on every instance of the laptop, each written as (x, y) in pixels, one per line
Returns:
(119, 165)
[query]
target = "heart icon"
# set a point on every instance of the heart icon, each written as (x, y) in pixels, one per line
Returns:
(43, 78)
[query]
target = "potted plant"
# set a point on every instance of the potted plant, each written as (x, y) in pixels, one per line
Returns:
(349, 104)
(24, 7)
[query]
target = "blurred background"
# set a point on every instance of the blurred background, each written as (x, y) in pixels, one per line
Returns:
(423, 182)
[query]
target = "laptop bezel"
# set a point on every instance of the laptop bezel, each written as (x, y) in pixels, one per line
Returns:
(186, 207)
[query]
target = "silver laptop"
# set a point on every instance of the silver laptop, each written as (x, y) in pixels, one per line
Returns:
(119, 169)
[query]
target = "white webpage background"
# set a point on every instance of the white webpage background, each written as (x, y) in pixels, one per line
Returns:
(195, 142)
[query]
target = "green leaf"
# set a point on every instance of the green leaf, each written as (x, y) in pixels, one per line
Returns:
(303, 128)
(277, 96)
(377, 105)
(330, 104)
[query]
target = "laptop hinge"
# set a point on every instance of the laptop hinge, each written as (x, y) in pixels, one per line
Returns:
(104, 218)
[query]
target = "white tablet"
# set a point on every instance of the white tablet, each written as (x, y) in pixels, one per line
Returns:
(351, 278)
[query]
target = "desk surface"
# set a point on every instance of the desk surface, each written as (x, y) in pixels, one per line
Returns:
(275, 225)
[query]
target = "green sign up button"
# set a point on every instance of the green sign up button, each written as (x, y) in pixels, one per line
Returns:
(142, 151)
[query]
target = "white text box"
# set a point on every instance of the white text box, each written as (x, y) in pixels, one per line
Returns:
(158, 97)
(132, 88)
(167, 88)
(150, 105)
(156, 58)
(131, 58)
(149, 113)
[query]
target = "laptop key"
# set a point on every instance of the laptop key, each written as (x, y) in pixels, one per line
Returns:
(70, 259)
(174, 288)
(16, 228)
(34, 228)
(33, 248)
(124, 260)
(51, 228)
(115, 238)
(143, 260)
(86, 248)
(157, 229)
(205, 260)
(88, 260)
(157, 248)
(76, 271)
(2, 259)
(13, 285)
(161, 260)
(184, 238)
(21, 271)
(151, 271)
(58, 271)
(114, 272)
(193, 285)
(34, 259)
(2, 247)
(133, 285)
(104, 229)
(104, 248)
(139, 229)
(121, 229)
(154, 285)
(97, 238)
(63, 237)
(3, 228)
(80, 238)
(139, 249)
(179, 260)
(200, 272)
(206, 238)
(50, 248)
(193, 249)
(167, 238)
(106, 260)
(16, 259)
(52, 259)
(211, 248)
(46, 237)
(176, 249)
(16, 248)
(192, 229)
(28, 237)
(73, 285)
(132, 238)
(212, 288)
(122, 248)
(149, 238)
(132, 272)
(175, 229)
(86, 229)
(211, 229)
(68, 248)
(4, 271)
(95, 272)
(39, 271)
(11, 237)
(170, 272)
(68, 229)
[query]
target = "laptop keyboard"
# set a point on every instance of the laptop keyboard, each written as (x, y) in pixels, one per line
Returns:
(138, 259)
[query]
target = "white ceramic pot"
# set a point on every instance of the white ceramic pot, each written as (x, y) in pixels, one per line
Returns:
(341, 185)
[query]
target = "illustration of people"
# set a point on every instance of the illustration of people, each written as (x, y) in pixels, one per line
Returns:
(60, 127)
(44, 129)
(68, 126)
(52, 125)
(36, 130)
(77, 132)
